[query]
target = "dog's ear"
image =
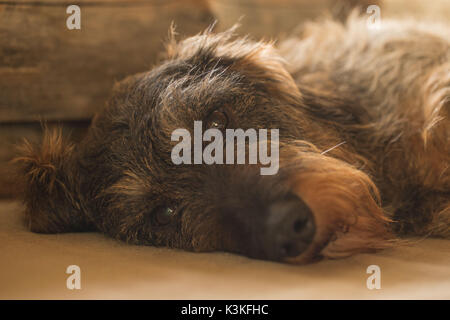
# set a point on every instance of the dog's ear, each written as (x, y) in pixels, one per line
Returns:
(49, 176)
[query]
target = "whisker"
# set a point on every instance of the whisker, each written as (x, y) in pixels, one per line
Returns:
(336, 146)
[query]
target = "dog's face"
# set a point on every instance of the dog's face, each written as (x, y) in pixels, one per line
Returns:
(314, 205)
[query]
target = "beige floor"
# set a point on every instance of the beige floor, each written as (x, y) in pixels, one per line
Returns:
(33, 266)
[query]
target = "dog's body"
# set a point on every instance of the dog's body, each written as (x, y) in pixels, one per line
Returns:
(388, 91)
(380, 96)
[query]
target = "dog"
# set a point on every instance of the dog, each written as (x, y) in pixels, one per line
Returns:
(364, 146)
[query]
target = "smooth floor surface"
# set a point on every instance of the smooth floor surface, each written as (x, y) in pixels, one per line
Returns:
(33, 266)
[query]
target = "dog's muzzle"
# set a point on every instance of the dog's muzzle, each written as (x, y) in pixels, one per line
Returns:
(290, 228)
(275, 229)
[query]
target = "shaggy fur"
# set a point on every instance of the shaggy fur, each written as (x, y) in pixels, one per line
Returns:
(381, 97)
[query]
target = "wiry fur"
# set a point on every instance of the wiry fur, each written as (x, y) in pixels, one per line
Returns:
(380, 96)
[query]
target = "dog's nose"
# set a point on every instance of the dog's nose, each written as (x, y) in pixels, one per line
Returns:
(290, 228)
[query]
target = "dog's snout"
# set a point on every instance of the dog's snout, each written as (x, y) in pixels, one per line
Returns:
(290, 228)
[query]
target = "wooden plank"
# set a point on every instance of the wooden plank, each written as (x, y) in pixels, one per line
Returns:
(50, 72)
(435, 11)
(277, 18)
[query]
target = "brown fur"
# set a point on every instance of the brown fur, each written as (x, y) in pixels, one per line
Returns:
(382, 97)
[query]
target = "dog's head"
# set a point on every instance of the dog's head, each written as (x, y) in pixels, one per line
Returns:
(314, 203)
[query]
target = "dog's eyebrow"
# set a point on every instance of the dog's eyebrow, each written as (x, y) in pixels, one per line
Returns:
(336, 146)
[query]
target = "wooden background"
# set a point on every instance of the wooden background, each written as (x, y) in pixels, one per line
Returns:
(62, 76)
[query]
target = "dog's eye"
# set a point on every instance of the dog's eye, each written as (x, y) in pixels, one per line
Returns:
(217, 120)
(163, 215)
